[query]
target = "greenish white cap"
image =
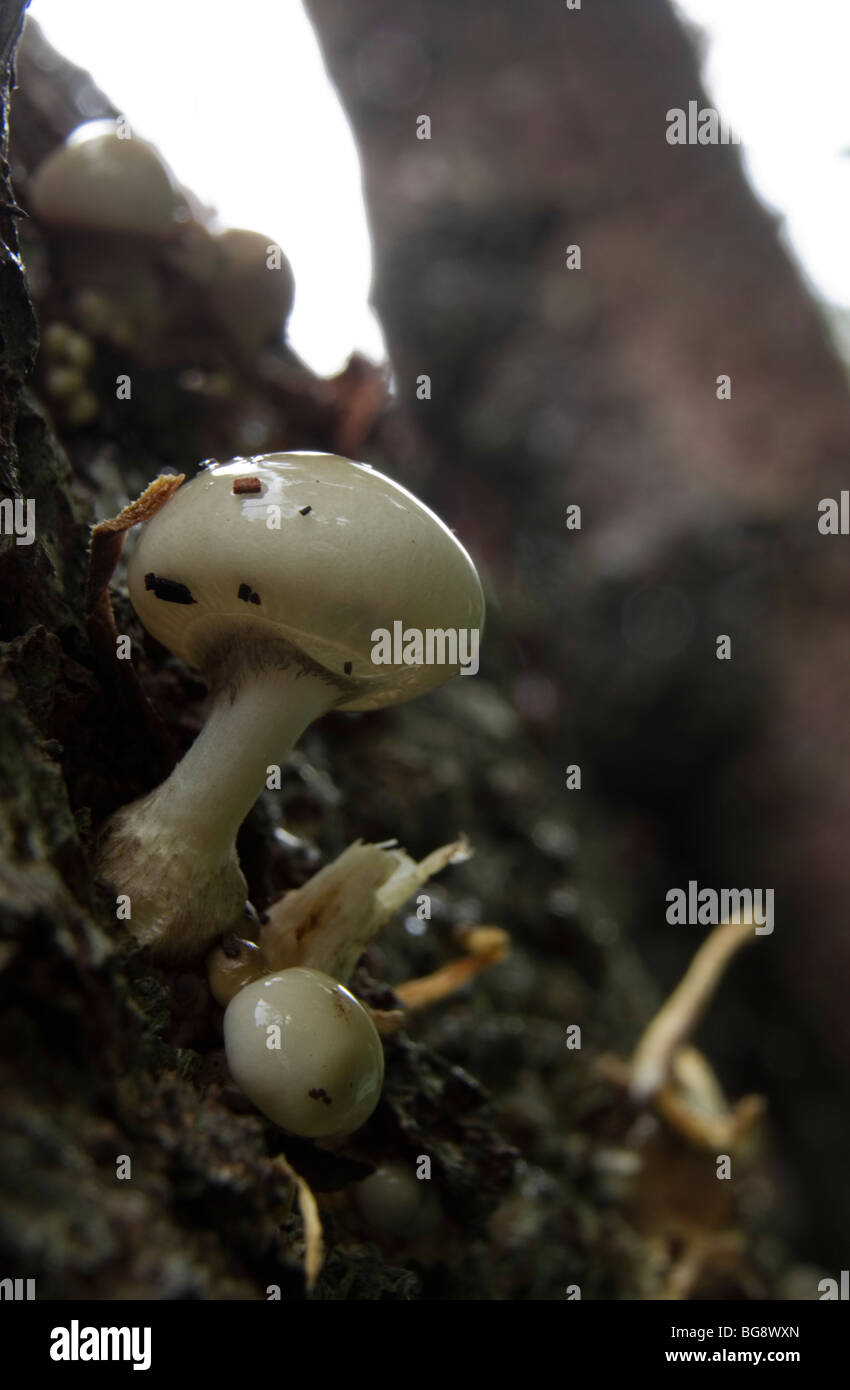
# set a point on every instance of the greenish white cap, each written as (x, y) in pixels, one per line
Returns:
(103, 181)
(319, 552)
(306, 1052)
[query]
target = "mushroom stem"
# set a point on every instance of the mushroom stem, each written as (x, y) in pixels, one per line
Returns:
(679, 1015)
(211, 791)
(486, 946)
(172, 853)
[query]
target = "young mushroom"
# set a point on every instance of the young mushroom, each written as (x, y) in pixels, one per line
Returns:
(271, 575)
(393, 1202)
(101, 180)
(253, 290)
(234, 963)
(306, 1052)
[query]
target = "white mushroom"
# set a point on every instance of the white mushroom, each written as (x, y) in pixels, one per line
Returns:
(306, 1052)
(253, 289)
(271, 575)
(101, 181)
(393, 1201)
(232, 964)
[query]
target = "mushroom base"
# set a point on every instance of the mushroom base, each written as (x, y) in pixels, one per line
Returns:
(177, 902)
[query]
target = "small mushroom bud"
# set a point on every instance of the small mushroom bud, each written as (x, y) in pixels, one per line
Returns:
(253, 289)
(270, 575)
(306, 1052)
(64, 383)
(395, 1202)
(231, 966)
(100, 181)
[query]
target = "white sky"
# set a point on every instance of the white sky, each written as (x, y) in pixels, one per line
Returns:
(246, 117)
(778, 72)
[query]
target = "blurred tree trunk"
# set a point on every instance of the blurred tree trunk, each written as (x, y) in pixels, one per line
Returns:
(597, 386)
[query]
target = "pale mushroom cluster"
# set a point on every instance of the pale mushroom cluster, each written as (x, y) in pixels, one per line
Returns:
(105, 182)
(270, 575)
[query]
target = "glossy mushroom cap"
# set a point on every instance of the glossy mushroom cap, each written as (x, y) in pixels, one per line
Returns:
(306, 1052)
(313, 551)
(100, 181)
